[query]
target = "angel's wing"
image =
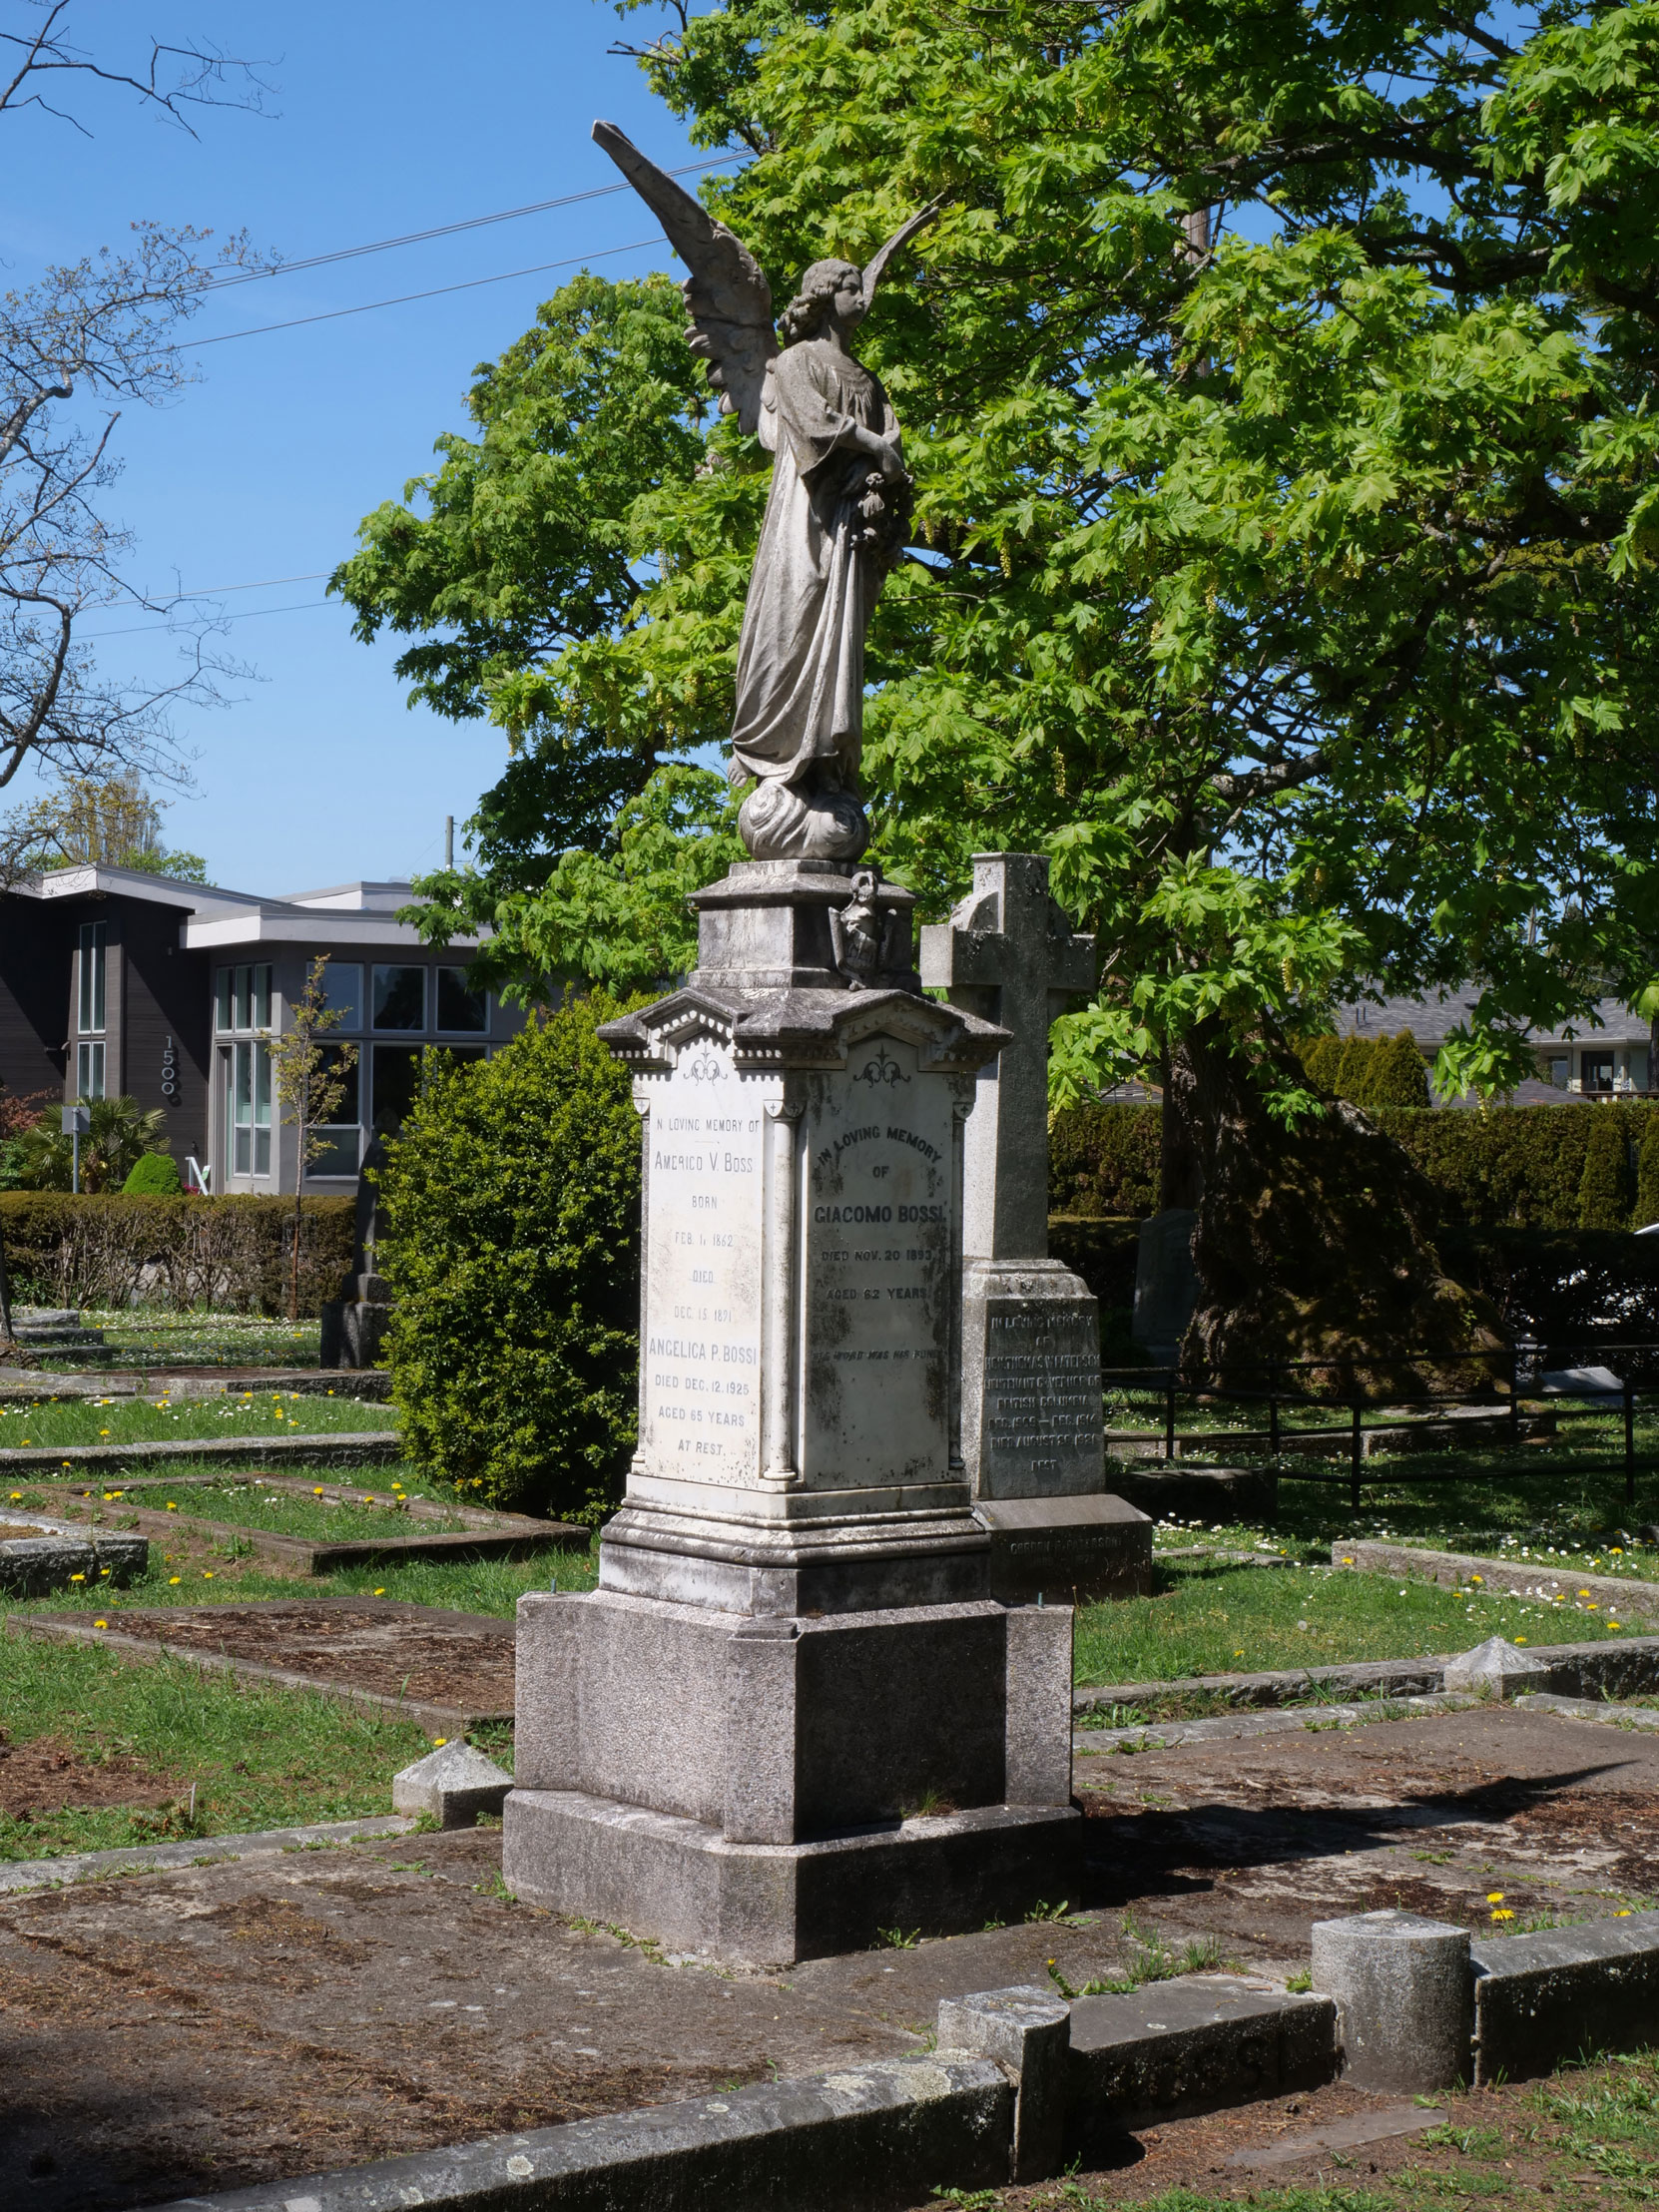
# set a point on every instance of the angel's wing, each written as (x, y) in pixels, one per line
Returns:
(901, 237)
(728, 300)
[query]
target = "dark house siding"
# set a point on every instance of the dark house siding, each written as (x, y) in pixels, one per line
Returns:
(37, 955)
(164, 1000)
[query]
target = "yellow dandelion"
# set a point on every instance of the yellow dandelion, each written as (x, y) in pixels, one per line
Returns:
(206, 1574)
(172, 1508)
(171, 1578)
(1495, 1897)
(100, 1624)
(77, 1578)
(1504, 1913)
(438, 1742)
(380, 1593)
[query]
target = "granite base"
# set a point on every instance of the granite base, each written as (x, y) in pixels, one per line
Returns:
(685, 1885)
(1066, 1550)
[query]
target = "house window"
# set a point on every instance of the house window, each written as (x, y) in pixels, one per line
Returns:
(1596, 1069)
(89, 1071)
(1636, 1059)
(241, 997)
(95, 938)
(1560, 1069)
(396, 1080)
(248, 1108)
(400, 998)
(340, 1141)
(463, 1010)
(342, 993)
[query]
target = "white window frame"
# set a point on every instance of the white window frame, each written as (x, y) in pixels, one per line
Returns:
(92, 1010)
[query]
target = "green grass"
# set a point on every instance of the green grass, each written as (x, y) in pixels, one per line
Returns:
(258, 1756)
(251, 1505)
(1486, 1511)
(1241, 1620)
(144, 1337)
(55, 1425)
(210, 1575)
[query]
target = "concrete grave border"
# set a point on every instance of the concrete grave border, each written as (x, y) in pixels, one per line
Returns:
(1016, 2068)
(18, 1874)
(487, 1536)
(1628, 1663)
(1521, 1578)
(363, 1447)
(33, 1566)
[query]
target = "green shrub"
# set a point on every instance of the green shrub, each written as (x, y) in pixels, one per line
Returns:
(1517, 1167)
(1105, 1160)
(1322, 1058)
(1603, 1201)
(513, 1198)
(1647, 1178)
(122, 1132)
(1398, 1074)
(153, 1176)
(176, 1252)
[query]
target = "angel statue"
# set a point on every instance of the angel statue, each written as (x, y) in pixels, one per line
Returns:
(836, 520)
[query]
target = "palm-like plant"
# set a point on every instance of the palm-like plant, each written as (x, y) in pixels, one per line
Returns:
(122, 1132)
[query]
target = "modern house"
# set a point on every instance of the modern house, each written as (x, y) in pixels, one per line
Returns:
(117, 982)
(1611, 1061)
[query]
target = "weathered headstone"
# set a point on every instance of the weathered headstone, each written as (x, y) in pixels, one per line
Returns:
(1166, 1283)
(792, 1714)
(355, 1323)
(1032, 1396)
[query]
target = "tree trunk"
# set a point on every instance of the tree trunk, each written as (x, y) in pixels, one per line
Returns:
(1317, 1243)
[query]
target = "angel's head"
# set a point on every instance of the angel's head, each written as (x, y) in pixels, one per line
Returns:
(828, 289)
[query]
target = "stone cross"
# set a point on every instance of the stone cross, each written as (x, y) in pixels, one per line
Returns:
(1008, 954)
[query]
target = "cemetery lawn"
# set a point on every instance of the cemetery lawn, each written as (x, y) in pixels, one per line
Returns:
(84, 1726)
(140, 1338)
(251, 1505)
(1204, 1619)
(56, 1425)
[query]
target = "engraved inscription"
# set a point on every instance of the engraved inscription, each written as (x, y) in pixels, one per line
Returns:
(699, 1363)
(881, 1276)
(1041, 1392)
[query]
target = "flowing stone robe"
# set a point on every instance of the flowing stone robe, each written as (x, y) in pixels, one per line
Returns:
(801, 659)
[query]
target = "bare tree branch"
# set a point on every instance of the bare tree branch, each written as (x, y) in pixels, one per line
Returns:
(174, 78)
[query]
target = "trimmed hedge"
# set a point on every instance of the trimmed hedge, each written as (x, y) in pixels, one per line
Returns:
(513, 1194)
(1509, 1166)
(1105, 1160)
(231, 1253)
(154, 1175)
(1369, 1071)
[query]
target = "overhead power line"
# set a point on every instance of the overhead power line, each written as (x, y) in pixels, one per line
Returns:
(253, 615)
(449, 229)
(334, 314)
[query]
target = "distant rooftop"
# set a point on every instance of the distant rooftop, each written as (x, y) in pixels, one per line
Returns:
(366, 898)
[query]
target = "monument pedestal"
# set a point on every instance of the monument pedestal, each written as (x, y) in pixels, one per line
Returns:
(792, 1714)
(765, 1790)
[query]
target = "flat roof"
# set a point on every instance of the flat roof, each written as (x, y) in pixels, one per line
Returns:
(349, 915)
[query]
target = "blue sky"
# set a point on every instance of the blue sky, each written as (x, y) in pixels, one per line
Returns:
(386, 120)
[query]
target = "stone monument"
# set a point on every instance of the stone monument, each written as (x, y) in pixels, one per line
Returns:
(1032, 1438)
(793, 1713)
